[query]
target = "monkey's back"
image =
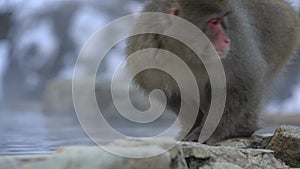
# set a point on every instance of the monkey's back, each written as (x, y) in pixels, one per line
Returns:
(276, 28)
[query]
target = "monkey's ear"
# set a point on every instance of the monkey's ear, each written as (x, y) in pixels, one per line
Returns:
(175, 9)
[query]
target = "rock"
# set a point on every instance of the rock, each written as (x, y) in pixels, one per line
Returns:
(161, 153)
(242, 142)
(286, 145)
(255, 141)
(211, 157)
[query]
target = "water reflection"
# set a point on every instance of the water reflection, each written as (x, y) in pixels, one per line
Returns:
(37, 133)
(33, 132)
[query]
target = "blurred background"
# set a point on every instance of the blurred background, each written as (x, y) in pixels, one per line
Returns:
(39, 44)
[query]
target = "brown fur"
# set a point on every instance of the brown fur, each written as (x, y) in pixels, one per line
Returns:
(263, 33)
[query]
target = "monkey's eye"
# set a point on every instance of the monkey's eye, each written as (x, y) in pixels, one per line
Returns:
(214, 24)
(215, 21)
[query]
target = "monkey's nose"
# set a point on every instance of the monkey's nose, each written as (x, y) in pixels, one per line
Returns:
(227, 40)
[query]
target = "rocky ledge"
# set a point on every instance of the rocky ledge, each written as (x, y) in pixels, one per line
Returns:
(281, 150)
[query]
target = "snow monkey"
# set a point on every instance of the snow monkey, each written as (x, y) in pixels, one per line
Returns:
(254, 40)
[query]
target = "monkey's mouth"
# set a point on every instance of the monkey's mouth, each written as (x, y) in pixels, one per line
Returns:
(222, 53)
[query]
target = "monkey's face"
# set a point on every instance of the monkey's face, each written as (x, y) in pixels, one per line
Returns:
(215, 30)
(210, 17)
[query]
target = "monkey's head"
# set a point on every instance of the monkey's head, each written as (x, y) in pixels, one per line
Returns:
(210, 17)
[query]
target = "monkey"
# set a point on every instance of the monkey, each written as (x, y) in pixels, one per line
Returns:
(254, 39)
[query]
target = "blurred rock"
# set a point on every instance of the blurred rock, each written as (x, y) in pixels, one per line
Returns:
(58, 96)
(286, 145)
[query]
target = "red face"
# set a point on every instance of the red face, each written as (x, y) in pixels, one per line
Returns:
(214, 30)
(216, 33)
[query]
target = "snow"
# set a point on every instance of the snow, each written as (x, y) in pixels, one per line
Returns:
(41, 36)
(86, 22)
(27, 8)
(289, 106)
(292, 104)
(41, 40)
(134, 7)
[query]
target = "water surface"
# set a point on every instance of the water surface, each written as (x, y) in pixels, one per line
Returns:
(37, 133)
